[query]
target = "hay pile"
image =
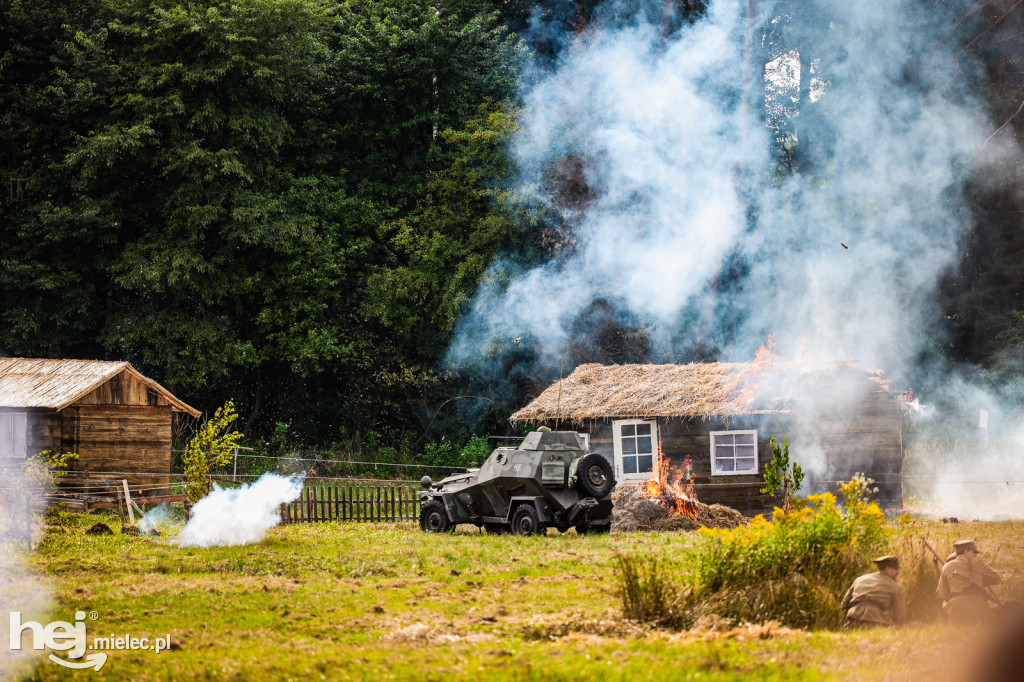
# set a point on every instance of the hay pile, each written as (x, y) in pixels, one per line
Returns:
(632, 511)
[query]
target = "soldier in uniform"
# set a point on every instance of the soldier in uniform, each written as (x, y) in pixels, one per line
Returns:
(876, 598)
(962, 583)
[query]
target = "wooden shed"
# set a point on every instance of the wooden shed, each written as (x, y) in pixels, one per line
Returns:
(118, 421)
(838, 419)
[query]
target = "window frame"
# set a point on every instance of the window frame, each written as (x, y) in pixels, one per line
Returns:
(9, 448)
(714, 454)
(617, 453)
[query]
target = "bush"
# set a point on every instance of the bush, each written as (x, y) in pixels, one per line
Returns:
(647, 593)
(794, 569)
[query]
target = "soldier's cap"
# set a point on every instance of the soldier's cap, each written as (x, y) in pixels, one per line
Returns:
(962, 546)
(886, 561)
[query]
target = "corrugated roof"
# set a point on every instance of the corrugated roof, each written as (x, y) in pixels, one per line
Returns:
(55, 384)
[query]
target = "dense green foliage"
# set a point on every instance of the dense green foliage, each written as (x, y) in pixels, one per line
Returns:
(292, 201)
(289, 200)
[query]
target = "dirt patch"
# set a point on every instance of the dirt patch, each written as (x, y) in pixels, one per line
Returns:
(633, 511)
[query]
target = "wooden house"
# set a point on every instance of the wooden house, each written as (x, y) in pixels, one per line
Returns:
(118, 421)
(720, 417)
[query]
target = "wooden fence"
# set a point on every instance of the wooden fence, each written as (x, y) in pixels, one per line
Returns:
(353, 502)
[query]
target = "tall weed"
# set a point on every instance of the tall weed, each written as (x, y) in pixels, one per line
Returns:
(648, 594)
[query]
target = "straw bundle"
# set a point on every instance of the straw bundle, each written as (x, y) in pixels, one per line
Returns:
(633, 511)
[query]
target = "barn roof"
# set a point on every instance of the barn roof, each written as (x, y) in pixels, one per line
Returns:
(699, 390)
(55, 384)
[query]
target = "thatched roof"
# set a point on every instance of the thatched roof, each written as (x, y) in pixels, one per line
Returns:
(625, 391)
(55, 384)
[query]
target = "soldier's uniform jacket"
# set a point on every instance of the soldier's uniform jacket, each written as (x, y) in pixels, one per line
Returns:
(875, 598)
(961, 599)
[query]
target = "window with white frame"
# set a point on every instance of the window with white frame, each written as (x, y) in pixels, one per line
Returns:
(636, 449)
(733, 453)
(13, 431)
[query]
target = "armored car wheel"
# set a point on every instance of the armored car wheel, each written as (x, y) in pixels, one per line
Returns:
(594, 475)
(434, 518)
(525, 521)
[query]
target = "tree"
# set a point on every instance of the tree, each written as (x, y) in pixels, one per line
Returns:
(781, 473)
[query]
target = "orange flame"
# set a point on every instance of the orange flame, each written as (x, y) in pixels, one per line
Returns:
(674, 487)
(748, 384)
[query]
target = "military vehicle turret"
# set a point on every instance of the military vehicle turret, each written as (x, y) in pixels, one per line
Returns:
(549, 480)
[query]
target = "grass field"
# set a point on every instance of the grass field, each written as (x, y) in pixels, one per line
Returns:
(379, 602)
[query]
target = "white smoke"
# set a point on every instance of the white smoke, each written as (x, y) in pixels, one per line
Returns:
(239, 516)
(677, 157)
(21, 589)
(692, 234)
(156, 518)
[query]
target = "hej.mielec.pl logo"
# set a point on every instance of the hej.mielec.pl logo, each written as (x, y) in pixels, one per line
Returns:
(71, 637)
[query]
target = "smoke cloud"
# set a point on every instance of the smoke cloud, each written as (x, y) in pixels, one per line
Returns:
(239, 516)
(651, 142)
(689, 229)
(20, 588)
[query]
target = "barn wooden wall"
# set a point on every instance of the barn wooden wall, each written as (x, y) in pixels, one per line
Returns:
(123, 389)
(118, 440)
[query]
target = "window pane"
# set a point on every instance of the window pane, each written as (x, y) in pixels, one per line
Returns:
(629, 446)
(744, 450)
(724, 439)
(643, 429)
(724, 465)
(629, 430)
(745, 465)
(629, 465)
(643, 445)
(745, 438)
(646, 463)
(721, 452)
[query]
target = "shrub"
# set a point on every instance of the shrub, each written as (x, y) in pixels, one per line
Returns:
(647, 593)
(212, 445)
(794, 569)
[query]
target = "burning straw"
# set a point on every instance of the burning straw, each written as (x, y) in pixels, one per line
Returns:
(633, 510)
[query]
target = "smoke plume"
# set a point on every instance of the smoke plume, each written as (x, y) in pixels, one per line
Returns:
(20, 588)
(239, 516)
(708, 203)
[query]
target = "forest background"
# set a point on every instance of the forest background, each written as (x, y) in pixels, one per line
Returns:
(292, 203)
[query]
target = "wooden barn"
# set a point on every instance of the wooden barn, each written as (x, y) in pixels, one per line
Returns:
(720, 417)
(118, 421)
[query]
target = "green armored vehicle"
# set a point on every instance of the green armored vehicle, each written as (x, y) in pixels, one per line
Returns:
(549, 480)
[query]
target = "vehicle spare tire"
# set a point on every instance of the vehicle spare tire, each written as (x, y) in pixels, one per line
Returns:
(594, 475)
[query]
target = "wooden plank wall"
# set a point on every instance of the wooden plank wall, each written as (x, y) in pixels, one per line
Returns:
(112, 438)
(123, 389)
(332, 501)
(863, 434)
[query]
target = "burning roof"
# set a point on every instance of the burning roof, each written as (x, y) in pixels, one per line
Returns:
(698, 390)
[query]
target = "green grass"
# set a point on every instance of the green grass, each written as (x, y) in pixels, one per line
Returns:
(378, 602)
